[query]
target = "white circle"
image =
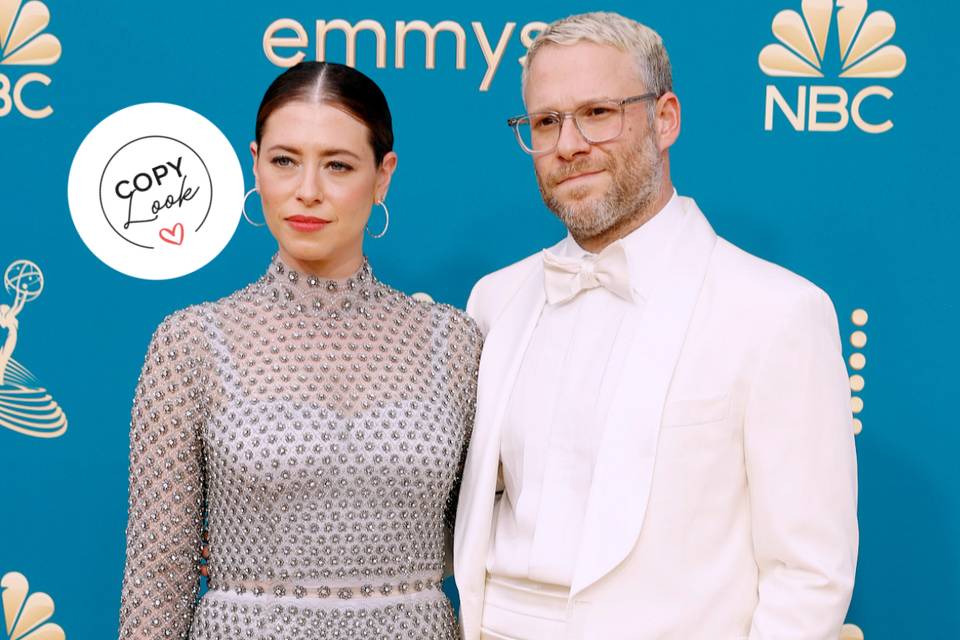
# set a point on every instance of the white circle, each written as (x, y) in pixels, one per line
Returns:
(155, 191)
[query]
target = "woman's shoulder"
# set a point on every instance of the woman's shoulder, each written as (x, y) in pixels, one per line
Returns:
(202, 315)
(185, 325)
(445, 317)
(458, 322)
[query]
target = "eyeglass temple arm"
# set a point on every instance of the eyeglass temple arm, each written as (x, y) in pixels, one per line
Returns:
(645, 96)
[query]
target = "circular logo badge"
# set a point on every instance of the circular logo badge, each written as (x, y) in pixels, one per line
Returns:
(155, 191)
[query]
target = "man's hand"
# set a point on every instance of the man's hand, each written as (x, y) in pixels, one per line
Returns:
(205, 554)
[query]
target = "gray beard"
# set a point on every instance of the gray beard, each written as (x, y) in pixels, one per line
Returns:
(635, 188)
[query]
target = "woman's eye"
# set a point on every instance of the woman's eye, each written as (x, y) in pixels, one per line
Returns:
(283, 161)
(339, 167)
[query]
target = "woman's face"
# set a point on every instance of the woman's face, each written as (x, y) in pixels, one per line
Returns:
(318, 180)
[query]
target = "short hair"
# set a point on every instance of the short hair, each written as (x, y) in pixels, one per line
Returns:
(334, 84)
(615, 30)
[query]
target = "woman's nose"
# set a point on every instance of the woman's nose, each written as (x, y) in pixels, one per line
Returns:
(309, 191)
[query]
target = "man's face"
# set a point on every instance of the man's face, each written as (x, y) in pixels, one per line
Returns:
(591, 187)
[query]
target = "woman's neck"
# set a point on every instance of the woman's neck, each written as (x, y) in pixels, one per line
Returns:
(332, 268)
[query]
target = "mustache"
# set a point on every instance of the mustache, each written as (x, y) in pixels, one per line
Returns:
(571, 170)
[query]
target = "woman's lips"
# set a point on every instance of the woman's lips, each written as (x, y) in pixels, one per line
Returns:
(306, 223)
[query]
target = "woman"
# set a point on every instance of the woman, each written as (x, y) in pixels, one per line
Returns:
(316, 421)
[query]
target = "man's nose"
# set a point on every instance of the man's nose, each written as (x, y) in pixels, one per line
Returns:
(571, 142)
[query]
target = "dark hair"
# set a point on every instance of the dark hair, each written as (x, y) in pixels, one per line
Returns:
(332, 83)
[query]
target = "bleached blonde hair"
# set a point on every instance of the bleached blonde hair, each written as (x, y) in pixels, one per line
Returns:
(615, 30)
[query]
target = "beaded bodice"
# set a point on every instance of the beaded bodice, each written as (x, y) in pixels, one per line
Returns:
(316, 427)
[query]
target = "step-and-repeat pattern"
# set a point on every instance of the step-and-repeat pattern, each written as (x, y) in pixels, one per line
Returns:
(819, 134)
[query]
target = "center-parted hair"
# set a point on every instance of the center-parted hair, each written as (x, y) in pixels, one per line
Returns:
(334, 84)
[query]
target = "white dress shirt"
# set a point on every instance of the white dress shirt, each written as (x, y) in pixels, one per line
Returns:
(557, 407)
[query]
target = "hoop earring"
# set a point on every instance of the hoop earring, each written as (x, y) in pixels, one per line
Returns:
(386, 224)
(243, 209)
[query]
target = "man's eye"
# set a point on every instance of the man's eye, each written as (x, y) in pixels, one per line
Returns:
(598, 111)
(545, 121)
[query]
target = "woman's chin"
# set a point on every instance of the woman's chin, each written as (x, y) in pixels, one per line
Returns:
(316, 251)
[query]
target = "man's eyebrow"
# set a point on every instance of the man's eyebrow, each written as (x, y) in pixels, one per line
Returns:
(582, 103)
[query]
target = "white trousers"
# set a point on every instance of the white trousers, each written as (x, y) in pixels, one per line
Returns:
(516, 609)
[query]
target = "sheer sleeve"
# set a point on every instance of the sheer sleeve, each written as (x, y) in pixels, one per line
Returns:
(167, 496)
(466, 343)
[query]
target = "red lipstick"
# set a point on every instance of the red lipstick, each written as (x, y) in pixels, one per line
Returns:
(306, 223)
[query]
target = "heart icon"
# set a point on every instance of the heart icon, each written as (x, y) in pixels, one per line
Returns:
(174, 235)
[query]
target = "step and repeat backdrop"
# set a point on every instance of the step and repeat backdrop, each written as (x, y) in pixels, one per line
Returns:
(820, 135)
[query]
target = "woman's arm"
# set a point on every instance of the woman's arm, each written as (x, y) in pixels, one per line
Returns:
(166, 500)
(464, 349)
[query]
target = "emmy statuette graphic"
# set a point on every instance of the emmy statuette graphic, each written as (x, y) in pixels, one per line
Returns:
(25, 406)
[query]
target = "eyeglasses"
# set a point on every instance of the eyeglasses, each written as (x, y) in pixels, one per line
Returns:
(597, 122)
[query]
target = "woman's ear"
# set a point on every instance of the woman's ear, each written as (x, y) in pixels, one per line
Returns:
(254, 153)
(384, 175)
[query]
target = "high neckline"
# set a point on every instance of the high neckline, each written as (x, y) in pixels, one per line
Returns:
(286, 283)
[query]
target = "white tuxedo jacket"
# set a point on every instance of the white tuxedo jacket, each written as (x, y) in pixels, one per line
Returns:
(723, 503)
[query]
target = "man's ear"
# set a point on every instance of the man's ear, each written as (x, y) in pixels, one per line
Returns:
(667, 120)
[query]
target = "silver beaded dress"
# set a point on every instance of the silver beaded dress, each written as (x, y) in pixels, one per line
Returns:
(317, 430)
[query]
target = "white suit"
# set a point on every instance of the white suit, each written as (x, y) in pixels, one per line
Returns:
(723, 500)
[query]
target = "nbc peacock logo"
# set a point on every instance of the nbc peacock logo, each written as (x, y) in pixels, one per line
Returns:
(809, 47)
(23, 43)
(26, 615)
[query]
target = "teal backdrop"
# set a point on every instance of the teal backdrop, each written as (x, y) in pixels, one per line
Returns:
(869, 217)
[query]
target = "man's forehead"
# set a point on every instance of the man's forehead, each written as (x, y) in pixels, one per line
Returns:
(564, 76)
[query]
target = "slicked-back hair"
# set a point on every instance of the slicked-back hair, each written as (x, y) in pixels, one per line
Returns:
(334, 84)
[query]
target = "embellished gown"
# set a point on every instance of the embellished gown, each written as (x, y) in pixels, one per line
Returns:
(317, 430)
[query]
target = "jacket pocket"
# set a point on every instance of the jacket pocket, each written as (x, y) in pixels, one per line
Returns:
(684, 413)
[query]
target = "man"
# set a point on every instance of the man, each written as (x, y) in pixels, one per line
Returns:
(663, 444)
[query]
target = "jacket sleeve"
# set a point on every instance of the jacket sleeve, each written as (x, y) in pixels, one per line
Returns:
(166, 499)
(475, 307)
(802, 477)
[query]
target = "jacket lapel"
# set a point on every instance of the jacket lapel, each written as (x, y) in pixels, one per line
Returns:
(624, 468)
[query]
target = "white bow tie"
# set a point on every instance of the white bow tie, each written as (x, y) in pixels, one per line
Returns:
(564, 277)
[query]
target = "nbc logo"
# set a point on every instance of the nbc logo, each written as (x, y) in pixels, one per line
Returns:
(804, 50)
(25, 614)
(23, 43)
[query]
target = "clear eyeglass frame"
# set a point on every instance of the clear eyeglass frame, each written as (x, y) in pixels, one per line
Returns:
(518, 122)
